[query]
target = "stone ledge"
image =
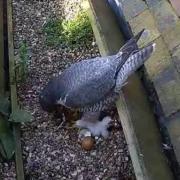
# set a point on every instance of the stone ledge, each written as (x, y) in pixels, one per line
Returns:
(159, 61)
(152, 3)
(176, 6)
(133, 8)
(164, 15)
(148, 23)
(176, 59)
(167, 85)
(172, 37)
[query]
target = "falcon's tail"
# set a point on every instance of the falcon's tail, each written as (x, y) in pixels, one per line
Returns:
(137, 59)
(129, 48)
(131, 45)
(133, 63)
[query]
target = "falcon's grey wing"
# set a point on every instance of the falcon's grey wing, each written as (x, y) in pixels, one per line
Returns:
(87, 82)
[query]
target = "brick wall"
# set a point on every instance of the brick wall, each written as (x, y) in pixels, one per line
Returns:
(162, 19)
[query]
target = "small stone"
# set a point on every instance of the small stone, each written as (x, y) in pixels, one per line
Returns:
(80, 177)
(74, 173)
(126, 158)
(58, 167)
(93, 43)
(121, 150)
(93, 153)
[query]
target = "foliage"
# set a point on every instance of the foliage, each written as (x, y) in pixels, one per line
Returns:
(70, 33)
(7, 143)
(20, 115)
(4, 106)
(22, 63)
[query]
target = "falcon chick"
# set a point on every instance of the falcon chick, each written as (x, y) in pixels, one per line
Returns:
(93, 85)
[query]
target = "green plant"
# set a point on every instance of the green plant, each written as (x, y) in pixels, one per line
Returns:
(7, 142)
(22, 62)
(72, 33)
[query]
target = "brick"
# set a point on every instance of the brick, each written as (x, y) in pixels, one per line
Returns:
(176, 58)
(159, 61)
(153, 2)
(173, 127)
(164, 15)
(167, 85)
(172, 37)
(148, 23)
(176, 6)
(133, 8)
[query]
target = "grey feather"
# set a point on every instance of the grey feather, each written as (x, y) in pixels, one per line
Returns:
(88, 82)
(132, 64)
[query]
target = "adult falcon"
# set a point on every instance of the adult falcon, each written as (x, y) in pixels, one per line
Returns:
(93, 85)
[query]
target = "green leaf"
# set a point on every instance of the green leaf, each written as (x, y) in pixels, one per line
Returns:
(7, 145)
(4, 126)
(4, 106)
(72, 33)
(20, 115)
(2, 151)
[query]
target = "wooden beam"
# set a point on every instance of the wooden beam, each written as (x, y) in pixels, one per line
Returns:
(2, 88)
(14, 104)
(139, 125)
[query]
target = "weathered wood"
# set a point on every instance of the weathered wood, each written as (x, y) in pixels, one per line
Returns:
(101, 39)
(103, 35)
(139, 124)
(1, 50)
(14, 105)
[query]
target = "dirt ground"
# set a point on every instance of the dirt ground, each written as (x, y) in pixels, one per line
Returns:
(50, 148)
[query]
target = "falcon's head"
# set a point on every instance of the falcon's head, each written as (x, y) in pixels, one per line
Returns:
(48, 96)
(46, 102)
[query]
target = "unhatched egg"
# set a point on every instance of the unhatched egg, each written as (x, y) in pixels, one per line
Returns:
(87, 143)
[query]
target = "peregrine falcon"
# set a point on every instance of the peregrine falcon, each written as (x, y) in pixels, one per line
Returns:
(93, 85)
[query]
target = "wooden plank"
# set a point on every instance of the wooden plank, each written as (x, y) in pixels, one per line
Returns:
(104, 50)
(103, 35)
(139, 124)
(1, 50)
(131, 138)
(14, 105)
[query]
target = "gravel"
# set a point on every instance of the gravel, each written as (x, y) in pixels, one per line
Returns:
(50, 147)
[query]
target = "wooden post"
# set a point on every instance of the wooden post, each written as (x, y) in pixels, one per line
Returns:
(2, 83)
(139, 124)
(14, 105)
